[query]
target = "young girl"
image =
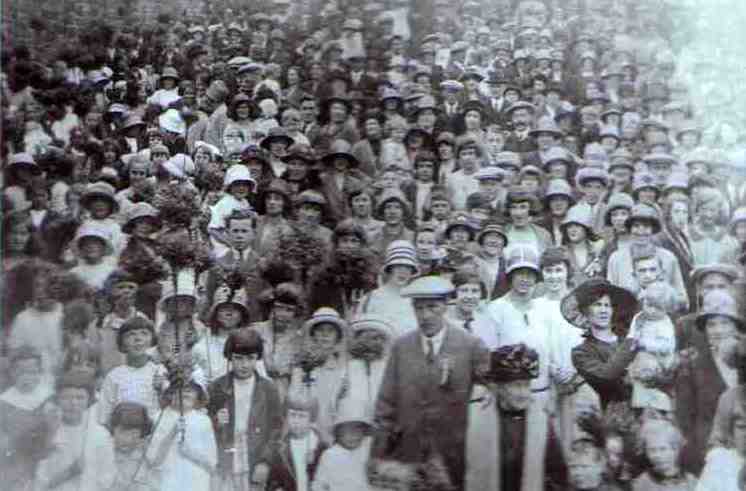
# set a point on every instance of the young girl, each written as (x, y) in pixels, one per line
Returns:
(183, 447)
(228, 313)
(95, 253)
(100, 202)
(130, 427)
(425, 173)
(238, 185)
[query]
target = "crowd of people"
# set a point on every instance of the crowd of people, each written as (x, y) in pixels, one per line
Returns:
(342, 245)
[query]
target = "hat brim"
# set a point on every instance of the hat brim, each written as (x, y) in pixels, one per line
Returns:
(244, 310)
(297, 156)
(127, 227)
(107, 242)
(331, 157)
(470, 228)
(313, 322)
(267, 141)
(88, 197)
(655, 222)
(624, 303)
(536, 133)
(702, 318)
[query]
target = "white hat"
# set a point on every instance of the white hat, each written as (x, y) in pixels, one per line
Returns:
(401, 252)
(238, 172)
(172, 121)
(89, 229)
(522, 257)
(184, 286)
(428, 287)
(180, 166)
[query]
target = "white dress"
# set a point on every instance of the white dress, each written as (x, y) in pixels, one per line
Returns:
(178, 473)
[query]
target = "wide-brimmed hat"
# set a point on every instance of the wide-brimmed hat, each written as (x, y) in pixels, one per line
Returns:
(429, 287)
(237, 173)
(473, 73)
(621, 157)
(326, 315)
(522, 257)
(100, 190)
(591, 173)
(401, 253)
(559, 187)
(617, 201)
(720, 303)
(727, 270)
(300, 151)
(659, 158)
(225, 295)
(546, 125)
(392, 194)
(558, 154)
(92, 230)
(276, 134)
(594, 155)
(642, 212)
(582, 215)
(340, 149)
(643, 180)
(624, 303)
(141, 211)
(490, 172)
(677, 180)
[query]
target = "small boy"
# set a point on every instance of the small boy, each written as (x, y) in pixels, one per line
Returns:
(238, 185)
(647, 269)
(343, 466)
(100, 202)
(296, 458)
(130, 426)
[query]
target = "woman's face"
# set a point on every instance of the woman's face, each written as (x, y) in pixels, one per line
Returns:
(468, 296)
(337, 112)
(293, 77)
(361, 206)
(275, 204)
(459, 238)
(576, 233)
(400, 275)
(27, 374)
(558, 170)
(473, 120)
(143, 228)
(426, 118)
(243, 111)
(558, 206)
(325, 335)
(445, 150)
(202, 158)
(520, 213)
(425, 171)
(349, 243)
(707, 213)
(297, 170)
(393, 213)
(373, 129)
(310, 214)
(721, 333)
(18, 238)
(600, 313)
(493, 244)
(739, 230)
(555, 277)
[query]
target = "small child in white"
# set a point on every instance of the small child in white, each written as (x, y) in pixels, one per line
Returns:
(343, 465)
(237, 185)
(657, 360)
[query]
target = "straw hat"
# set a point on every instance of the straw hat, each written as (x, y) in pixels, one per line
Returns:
(326, 315)
(401, 253)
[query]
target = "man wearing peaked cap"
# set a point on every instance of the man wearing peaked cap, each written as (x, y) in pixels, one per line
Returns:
(422, 388)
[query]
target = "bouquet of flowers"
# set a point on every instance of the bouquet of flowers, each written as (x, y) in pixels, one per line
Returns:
(180, 252)
(310, 356)
(144, 194)
(176, 205)
(366, 349)
(350, 270)
(454, 260)
(300, 248)
(145, 268)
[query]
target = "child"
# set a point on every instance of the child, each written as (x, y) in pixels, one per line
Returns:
(463, 182)
(228, 313)
(439, 210)
(183, 448)
(132, 381)
(238, 185)
(343, 466)
(296, 458)
(647, 269)
(178, 307)
(95, 252)
(243, 403)
(130, 427)
(100, 202)
(656, 360)
(425, 173)
(120, 289)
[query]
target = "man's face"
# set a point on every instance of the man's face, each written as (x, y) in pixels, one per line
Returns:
(647, 271)
(429, 313)
(621, 176)
(338, 112)
(241, 233)
(640, 229)
(298, 422)
(468, 157)
(440, 209)
(373, 129)
(521, 119)
(244, 365)
(490, 187)
(124, 290)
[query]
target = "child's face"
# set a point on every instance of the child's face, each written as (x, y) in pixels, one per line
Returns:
(350, 435)
(244, 365)
(100, 208)
(137, 341)
(126, 439)
(124, 290)
(440, 209)
(298, 422)
(92, 249)
(492, 244)
(647, 271)
(229, 316)
(240, 189)
(325, 336)
(425, 245)
(143, 228)
(400, 274)
(27, 374)
(459, 237)
(40, 199)
(425, 171)
(241, 232)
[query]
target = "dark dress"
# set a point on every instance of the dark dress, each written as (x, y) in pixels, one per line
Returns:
(603, 365)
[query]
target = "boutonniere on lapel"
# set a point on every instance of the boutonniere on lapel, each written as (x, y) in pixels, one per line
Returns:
(445, 370)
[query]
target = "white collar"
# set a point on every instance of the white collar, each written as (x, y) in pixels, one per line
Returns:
(437, 341)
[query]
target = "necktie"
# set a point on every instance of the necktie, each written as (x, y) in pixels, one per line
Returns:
(430, 351)
(467, 324)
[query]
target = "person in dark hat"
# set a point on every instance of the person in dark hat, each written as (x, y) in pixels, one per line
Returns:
(428, 382)
(243, 403)
(520, 114)
(338, 178)
(368, 150)
(337, 126)
(526, 455)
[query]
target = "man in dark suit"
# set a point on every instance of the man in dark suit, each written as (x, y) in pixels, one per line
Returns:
(421, 412)
(246, 412)
(521, 115)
